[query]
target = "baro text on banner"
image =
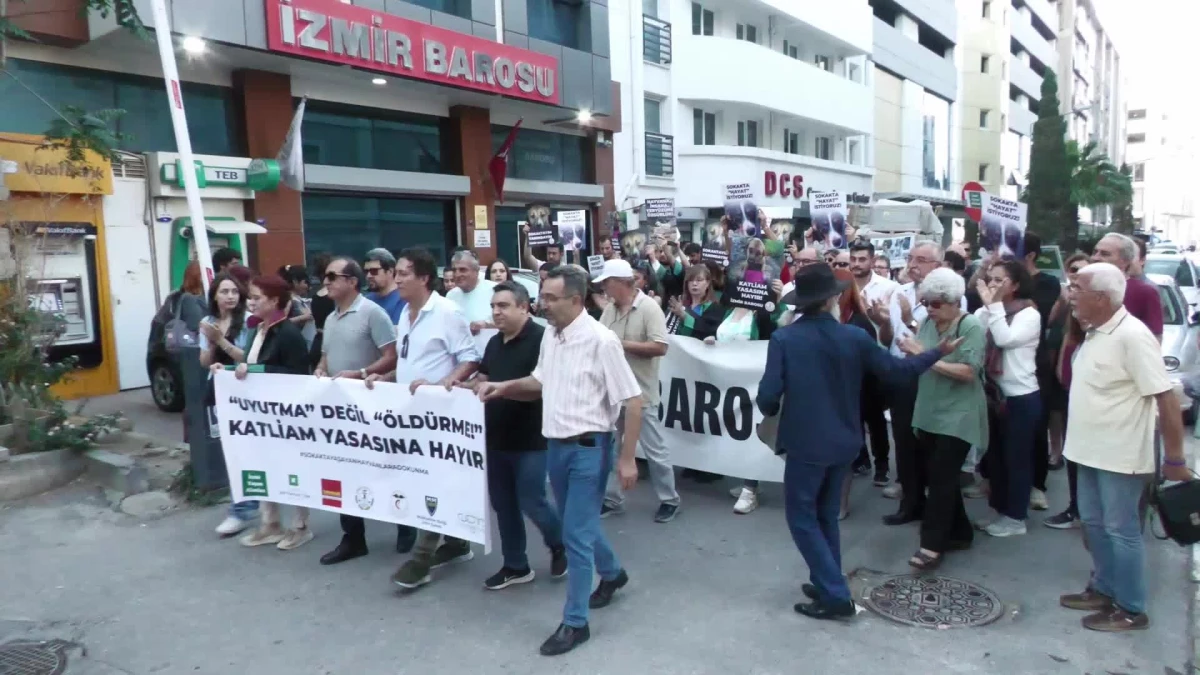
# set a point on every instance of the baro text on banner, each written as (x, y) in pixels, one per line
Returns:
(709, 419)
(383, 454)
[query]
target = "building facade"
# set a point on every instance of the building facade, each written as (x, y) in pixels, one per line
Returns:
(773, 93)
(1163, 150)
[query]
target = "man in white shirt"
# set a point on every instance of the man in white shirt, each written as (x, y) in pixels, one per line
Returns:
(472, 295)
(872, 287)
(1117, 383)
(435, 346)
(584, 382)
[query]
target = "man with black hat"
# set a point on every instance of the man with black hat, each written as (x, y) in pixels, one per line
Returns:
(812, 381)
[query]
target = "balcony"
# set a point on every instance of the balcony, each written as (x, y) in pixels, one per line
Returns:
(660, 155)
(1020, 119)
(719, 69)
(1043, 10)
(704, 169)
(656, 40)
(844, 21)
(1024, 78)
(1031, 40)
(908, 59)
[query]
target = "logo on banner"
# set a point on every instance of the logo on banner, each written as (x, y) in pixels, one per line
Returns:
(254, 483)
(471, 523)
(364, 498)
(431, 505)
(331, 493)
(400, 504)
(293, 480)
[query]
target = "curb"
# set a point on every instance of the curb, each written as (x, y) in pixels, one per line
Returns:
(34, 473)
(117, 472)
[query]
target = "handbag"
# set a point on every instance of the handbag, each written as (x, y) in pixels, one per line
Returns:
(1178, 507)
(176, 334)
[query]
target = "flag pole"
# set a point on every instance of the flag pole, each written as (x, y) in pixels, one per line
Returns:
(166, 54)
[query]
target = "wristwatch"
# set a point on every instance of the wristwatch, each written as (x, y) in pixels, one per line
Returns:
(362, 372)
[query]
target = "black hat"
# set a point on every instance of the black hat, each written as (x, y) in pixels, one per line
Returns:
(814, 283)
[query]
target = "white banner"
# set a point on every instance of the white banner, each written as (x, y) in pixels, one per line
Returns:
(416, 459)
(709, 419)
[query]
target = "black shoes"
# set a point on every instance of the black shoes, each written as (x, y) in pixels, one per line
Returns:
(347, 549)
(881, 478)
(820, 610)
(564, 640)
(508, 577)
(861, 469)
(558, 562)
(901, 518)
(666, 513)
(406, 538)
(809, 591)
(603, 595)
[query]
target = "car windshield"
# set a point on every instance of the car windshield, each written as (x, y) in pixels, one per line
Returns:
(1172, 310)
(1180, 269)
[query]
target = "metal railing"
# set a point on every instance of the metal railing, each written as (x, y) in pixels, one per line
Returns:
(660, 155)
(656, 40)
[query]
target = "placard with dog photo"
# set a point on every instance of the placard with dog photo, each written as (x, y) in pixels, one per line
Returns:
(1002, 228)
(828, 211)
(572, 230)
(741, 209)
(716, 244)
(541, 229)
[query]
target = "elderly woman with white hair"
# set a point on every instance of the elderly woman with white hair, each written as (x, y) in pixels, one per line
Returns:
(950, 414)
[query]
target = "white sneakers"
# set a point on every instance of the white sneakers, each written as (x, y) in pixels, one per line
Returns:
(1037, 500)
(893, 491)
(1005, 527)
(747, 501)
(231, 526)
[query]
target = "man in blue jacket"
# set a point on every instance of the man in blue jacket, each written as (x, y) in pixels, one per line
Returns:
(813, 378)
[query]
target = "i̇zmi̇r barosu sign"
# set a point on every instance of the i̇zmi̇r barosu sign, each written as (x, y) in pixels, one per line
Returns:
(330, 30)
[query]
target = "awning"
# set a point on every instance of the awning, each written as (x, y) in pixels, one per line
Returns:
(223, 225)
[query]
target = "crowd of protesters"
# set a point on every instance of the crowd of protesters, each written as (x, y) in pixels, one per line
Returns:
(991, 372)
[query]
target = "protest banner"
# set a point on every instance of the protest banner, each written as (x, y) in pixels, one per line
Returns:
(828, 211)
(572, 229)
(895, 248)
(332, 444)
(709, 419)
(541, 229)
(741, 209)
(1002, 229)
(595, 265)
(751, 295)
(660, 212)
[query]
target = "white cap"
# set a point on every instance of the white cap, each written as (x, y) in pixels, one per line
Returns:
(615, 269)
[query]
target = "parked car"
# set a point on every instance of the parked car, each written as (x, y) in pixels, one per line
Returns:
(527, 278)
(1180, 340)
(166, 378)
(1182, 269)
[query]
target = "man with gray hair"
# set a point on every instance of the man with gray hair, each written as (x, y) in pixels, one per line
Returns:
(1118, 381)
(380, 268)
(472, 294)
(1141, 297)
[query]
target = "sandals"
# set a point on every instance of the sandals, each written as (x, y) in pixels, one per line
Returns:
(925, 562)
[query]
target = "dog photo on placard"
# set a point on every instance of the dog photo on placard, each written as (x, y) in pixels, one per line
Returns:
(632, 244)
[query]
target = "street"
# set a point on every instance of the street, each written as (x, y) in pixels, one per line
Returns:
(711, 592)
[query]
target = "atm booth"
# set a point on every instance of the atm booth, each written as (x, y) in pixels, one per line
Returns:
(56, 208)
(223, 232)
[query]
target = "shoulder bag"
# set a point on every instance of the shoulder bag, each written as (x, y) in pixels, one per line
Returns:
(1178, 507)
(176, 334)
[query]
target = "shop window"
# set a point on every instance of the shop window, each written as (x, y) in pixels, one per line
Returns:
(366, 138)
(563, 22)
(456, 7)
(147, 117)
(542, 155)
(351, 225)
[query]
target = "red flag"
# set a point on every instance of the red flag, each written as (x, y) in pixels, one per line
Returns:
(498, 165)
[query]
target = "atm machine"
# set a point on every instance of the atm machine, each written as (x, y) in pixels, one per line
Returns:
(222, 232)
(63, 284)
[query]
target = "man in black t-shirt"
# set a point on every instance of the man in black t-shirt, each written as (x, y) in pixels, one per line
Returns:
(516, 449)
(1046, 291)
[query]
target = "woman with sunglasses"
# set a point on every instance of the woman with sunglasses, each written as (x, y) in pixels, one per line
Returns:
(950, 414)
(1014, 329)
(1072, 337)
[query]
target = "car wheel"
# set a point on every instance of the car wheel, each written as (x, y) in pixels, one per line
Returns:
(166, 389)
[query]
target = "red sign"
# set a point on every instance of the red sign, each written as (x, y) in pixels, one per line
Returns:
(786, 184)
(972, 196)
(331, 493)
(328, 30)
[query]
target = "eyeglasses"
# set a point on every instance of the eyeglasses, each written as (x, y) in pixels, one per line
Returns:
(934, 305)
(840, 265)
(372, 270)
(333, 276)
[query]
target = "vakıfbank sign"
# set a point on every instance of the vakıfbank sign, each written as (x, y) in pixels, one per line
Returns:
(329, 30)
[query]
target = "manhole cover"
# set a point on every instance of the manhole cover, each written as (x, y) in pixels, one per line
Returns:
(47, 657)
(934, 602)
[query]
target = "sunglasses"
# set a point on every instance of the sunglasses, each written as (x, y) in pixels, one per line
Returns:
(333, 276)
(840, 265)
(373, 270)
(934, 305)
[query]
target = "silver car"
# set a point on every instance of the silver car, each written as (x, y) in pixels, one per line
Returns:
(1181, 337)
(1182, 269)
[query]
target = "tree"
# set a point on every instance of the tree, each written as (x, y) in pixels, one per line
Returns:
(1051, 211)
(1123, 216)
(1096, 181)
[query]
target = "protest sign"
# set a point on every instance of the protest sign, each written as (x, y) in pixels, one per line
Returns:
(895, 248)
(828, 211)
(741, 209)
(751, 295)
(541, 230)
(595, 265)
(1002, 229)
(660, 212)
(714, 251)
(708, 414)
(572, 229)
(332, 444)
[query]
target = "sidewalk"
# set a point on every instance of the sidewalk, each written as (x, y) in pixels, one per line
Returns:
(711, 592)
(138, 406)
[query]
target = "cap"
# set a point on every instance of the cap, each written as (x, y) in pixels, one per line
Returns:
(615, 269)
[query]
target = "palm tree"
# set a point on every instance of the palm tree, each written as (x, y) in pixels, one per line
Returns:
(1095, 180)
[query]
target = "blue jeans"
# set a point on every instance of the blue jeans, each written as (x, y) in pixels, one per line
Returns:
(1010, 455)
(578, 474)
(812, 500)
(246, 510)
(517, 485)
(1109, 509)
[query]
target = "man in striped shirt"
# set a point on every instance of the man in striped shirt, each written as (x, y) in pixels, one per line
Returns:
(584, 381)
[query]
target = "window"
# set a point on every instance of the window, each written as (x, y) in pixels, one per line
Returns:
(349, 225)
(983, 118)
(747, 32)
(854, 73)
(650, 7)
(702, 20)
(984, 62)
(542, 155)
(653, 112)
(456, 7)
(371, 139)
(822, 62)
(1136, 138)
(983, 173)
(748, 134)
(1139, 114)
(791, 142)
(563, 22)
(935, 151)
(704, 127)
(1139, 171)
(791, 50)
(987, 9)
(822, 148)
(853, 153)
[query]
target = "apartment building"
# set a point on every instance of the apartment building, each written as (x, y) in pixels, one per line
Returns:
(777, 93)
(1163, 150)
